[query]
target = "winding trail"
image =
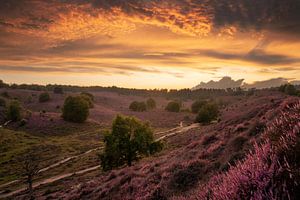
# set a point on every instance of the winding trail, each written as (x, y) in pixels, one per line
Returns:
(166, 134)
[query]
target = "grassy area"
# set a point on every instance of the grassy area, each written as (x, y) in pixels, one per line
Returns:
(14, 144)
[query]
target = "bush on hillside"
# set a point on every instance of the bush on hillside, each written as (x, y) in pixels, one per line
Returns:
(44, 97)
(197, 105)
(128, 140)
(138, 106)
(151, 104)
(14, 110)
(58, 90)
(2, 102)
(207, 113)
(5, 94)
(89, 99)
(173, 106)
(288, 89)
(75, 109)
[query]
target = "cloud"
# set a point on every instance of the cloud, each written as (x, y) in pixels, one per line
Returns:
(223, 83)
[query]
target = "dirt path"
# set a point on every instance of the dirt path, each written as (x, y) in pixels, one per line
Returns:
(166, 134)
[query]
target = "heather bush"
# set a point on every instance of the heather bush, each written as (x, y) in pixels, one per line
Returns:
(186, 177)
(209, 139)
(128, 141)
(207, 113)
(256, 128)
(14, 110)
(197, 105)
(151, 104)
(138, 106)
(75, 109)
(238, 143)
(173, 106)
(44, 97)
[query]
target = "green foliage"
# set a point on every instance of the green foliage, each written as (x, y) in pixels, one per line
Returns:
(128, 141)
(173, 106)
(58, 90)
(89, 98)
(2, 102)
(151, 104)
(138, 106)
(75, 109)
(197, 105)
(3, 85)
(44, 97)
(288, 89)
(14, 110)
(207, 113)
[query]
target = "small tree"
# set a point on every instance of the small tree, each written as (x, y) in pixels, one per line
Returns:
(151, 104)
(75, 109)
(58, 90)
(197, 105)
(138, 106)
(89, 99)
(173, 106)
(288, 89)
(29, 168)
(14, 111)
(44, 97)
(207, 113)
(128, 140)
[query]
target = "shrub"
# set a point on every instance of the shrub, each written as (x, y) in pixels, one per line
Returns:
(185, 177)
(151, 104)
(138, 106)
(5, 94)
(2, 102)
(207, 113)
(288, 89)
(14, 110)
(128, 140)
(58, 90)
(173, 106)
(238, 143)
(3, 85)
(89, 98)
(197, 105)
(89, 95)
(44, 97)
(75, 109)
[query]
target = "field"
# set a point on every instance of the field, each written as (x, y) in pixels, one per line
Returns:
(69, 165)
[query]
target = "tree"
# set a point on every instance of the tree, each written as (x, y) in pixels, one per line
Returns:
(128, 141)
(2, 102)
(138, 106)
(207, 113)
(44, 97)
(173, 106)
(288, 89)
(58, 90)
(2, 84)
(197, 105)
(151, 104)
(14, 111)
(29, 168)
(75, 109)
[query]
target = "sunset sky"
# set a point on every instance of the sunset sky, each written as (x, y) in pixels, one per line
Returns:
(148, 43)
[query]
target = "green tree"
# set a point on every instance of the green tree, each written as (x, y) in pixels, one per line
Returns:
(75, 109)
(288, 89)
(89, 98)
(14, 110)
(138, 106)
(128, 141)
(173, 106)
(207, 113)
(44, 97)
(151, 104)
(197, 105)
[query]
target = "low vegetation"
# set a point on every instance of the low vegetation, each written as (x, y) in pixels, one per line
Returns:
(173, 106)
(289, 89)
(44, 97)
(197, 105)
(2, 102)
(75, 109)
(127, 142)
(58, 90)
(151, 104)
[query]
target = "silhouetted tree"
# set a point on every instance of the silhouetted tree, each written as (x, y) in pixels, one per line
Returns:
(14, 110)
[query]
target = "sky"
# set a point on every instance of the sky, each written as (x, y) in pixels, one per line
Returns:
(148, 43)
